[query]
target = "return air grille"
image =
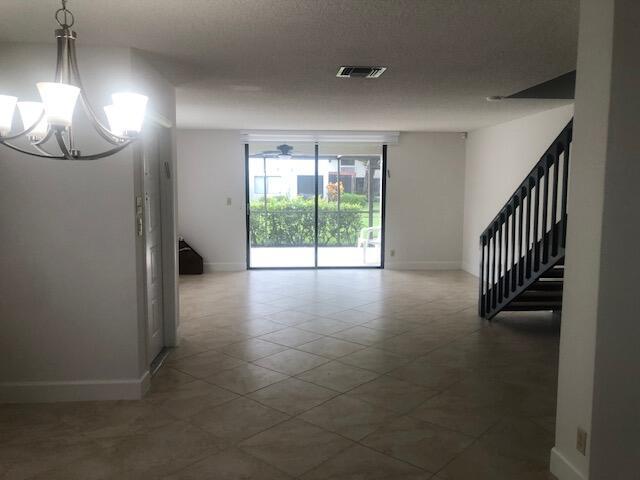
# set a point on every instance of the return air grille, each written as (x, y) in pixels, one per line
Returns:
(360, 72)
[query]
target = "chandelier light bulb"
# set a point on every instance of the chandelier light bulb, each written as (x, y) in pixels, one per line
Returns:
(59, 102)
(30, 112)
(128, 112)
(7, 107)
(117, 124)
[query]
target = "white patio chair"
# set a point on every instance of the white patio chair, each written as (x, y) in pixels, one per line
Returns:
(369, 237)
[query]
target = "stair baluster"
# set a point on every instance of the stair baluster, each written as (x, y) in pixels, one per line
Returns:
(519, 263)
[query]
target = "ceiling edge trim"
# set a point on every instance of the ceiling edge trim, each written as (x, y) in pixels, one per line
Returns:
(325, 136)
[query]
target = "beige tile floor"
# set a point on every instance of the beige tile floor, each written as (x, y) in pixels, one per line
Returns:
(332, 374)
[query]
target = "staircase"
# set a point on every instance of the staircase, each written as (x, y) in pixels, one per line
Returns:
(522, 249)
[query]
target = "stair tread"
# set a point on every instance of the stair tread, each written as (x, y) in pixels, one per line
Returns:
(547, 285)
(553, 273)
(532, 305)
(540, 294)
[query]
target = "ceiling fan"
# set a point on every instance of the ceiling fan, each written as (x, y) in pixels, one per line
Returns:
(283, 152)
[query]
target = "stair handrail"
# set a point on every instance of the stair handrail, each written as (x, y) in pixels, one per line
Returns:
(567, 129)
(541, 247)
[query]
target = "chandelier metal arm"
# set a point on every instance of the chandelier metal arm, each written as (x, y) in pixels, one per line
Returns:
(68, 155)
(37, 144)
(21, 150)
(44, 139)
(63, 72)
(24, 132)
(42, 150)
(108, 153)
(62, 144)
(103, 131)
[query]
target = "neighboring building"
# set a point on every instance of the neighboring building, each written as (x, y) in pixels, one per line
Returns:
(294, 177)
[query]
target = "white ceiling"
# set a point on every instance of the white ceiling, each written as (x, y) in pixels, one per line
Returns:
(271, 64)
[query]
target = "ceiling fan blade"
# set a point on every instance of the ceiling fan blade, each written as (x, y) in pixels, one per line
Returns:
(562, 87)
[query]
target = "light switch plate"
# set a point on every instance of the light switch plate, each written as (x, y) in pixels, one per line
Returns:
(581, 441)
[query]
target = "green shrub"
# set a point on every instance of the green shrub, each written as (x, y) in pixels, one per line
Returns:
(284, 222)
(354, 198)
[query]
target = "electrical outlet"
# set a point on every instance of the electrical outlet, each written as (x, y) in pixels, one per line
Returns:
(581, 441)
(392, 253)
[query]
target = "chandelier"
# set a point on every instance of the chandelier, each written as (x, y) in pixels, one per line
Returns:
(51, 119)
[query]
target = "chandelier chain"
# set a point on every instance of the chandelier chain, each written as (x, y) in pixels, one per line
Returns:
(64, 17)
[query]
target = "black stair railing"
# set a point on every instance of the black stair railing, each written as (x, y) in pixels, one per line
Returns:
(528, 235)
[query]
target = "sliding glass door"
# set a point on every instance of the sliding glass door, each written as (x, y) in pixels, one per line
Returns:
(281, 193)
(313, 205)
(350, 213)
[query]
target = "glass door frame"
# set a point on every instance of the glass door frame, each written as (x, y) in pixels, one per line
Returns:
(383, 187)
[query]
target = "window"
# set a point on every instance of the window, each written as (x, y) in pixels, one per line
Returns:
(305, 185)
(274, 185)
(347, 183)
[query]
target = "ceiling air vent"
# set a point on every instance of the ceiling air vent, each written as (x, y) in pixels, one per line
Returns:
(360, 72)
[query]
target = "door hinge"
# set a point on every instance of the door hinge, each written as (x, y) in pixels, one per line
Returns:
(139, 216)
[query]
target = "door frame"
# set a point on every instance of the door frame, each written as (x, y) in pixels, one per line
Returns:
(383, 173)
(169, 255)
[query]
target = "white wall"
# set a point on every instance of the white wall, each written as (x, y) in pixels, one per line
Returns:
(497, 160)
(425, 194)
(68, 267)
(598, 388)
(424, 199)
(210, 171)
(615, 425)
(582, 263)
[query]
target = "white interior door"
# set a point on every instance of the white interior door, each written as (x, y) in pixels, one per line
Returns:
(153, 242)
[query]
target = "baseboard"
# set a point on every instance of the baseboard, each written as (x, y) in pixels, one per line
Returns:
(562, 468)
(394, 265)
(83, 390)
(391, 265)
(473, 270)
(225, 267)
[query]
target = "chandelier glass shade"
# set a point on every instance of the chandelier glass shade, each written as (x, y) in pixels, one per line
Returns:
(51, 119)
(32, 114)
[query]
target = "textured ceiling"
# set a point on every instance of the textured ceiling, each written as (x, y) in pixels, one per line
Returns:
(271, 63)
